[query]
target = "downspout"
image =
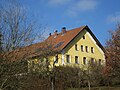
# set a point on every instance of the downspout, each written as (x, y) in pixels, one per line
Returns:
(63, 62)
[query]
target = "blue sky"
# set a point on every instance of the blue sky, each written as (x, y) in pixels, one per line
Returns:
(99, 15)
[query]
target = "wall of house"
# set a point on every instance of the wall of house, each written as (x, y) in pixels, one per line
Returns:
(70, 51)
(97, 55)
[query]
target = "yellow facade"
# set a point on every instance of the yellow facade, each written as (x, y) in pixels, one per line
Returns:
(91, 51)
(82, 49)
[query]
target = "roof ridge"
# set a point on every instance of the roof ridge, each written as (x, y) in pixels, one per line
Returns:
(78, 28)
(70, 30)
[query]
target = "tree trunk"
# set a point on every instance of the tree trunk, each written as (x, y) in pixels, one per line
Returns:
(89, 84)
(52, 85)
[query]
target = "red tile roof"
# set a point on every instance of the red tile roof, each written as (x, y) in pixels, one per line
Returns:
(62, 40)
(57, 41)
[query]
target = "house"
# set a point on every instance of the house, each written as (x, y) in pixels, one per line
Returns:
(77, 47)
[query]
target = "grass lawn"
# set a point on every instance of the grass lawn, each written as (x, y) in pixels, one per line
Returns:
(97, 88)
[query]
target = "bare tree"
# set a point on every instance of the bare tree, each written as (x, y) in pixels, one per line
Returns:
(17, 29)
(15, 66)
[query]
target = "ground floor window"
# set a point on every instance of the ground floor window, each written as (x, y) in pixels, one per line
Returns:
(100, 62)
(56, 59)
(92, 61)
(76, 59)
(68, 58)
(84, 61)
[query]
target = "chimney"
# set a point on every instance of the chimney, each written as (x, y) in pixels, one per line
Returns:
(63, 30)
(55, 33)
(49, 34)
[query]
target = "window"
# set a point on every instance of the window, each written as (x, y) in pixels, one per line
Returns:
(59, 44)
(76, 59)
(76, 47)
(86, 48)
(32, 67)
(68, 58)
(33, 64)
(82, 49)
(55, 36)
(56, 59)
(100, 62)
(83, 37)
(84, 61)
(92, 60)
(92, 50)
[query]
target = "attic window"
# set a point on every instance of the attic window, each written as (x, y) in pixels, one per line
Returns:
(84, 37)
(59, 44)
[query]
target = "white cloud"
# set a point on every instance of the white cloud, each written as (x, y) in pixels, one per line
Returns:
(74, 7)
(58, 2)
(115, 18)
(82, 6)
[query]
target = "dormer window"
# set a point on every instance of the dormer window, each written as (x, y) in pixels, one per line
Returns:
(55, 36)
(84, 37)
(76, 47)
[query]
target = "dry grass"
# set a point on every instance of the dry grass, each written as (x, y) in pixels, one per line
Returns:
(97, 88)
